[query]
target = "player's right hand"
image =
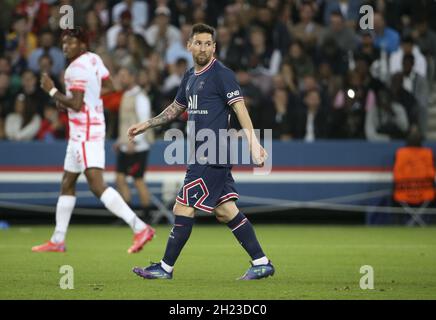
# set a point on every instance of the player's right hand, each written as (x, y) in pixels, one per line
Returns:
(259, 154)
(136, 129)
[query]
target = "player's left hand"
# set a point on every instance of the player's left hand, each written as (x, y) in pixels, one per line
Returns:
(46, 82)
(258, 154)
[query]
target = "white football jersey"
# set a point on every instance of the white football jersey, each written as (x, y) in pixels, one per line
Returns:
(86, 73)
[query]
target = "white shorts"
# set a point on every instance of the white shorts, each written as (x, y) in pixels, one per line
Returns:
(83, 155)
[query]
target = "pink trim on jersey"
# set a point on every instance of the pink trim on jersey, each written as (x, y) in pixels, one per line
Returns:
(105, 77)
(84, 154)
(227, 197)
(77, 89)
(78, 83)
(207, 67)
(232, 101)
(77, 122)
(179, 104)
(88, 124)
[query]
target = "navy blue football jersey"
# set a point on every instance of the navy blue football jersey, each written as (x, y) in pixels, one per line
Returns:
(208, 95)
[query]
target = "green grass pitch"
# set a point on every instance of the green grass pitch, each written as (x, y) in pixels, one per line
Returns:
(311, 263)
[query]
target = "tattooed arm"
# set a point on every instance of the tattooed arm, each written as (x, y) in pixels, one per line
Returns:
(166, 116)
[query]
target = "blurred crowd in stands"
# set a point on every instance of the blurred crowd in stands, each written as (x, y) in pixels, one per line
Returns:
(306, 68)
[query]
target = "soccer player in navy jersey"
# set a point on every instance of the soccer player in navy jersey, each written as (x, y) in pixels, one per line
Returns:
(207, 92)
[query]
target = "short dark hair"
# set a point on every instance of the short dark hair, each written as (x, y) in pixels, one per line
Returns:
(45, 56)
(203, 28)
(78, 32)
(407, 39)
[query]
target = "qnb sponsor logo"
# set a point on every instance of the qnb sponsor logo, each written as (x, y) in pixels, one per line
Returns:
(225, 147)
(233, 94)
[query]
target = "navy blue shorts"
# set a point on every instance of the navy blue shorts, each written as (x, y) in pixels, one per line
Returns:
(206, 187)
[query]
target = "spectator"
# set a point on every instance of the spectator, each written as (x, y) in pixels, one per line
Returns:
(425, 38)
(276, 34)
(362, 66)
(299, 59)
(6, 101)
(367, 48)
(386, 39)
(138, 9)
(19, 44)
(46, 46)
(100, 9)
(387, 121)
(124, 27)
(198, 15)
(156, 67)
(132, 155)
(405, 98)
(238, 31)
(289, 75)
(161, 35)
(310, 123)
(350, 107)
(137, 49)
(307, 30)
(45, 65)
(416, 85)
(151, 90)
(253, 98)
(201, 10)
(37, 11)
(344, 36)
(32, 91)
(329, 82)
(94, 26)
(174, 79)
(120, 54)
(261, 58)
(54, 124)
(349, 9)
(227, 50)
(15, 80)
(179, 49)
(330, 52)
(408, 48)
(23, 124)
(278, 116)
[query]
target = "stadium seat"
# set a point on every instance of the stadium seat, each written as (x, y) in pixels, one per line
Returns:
(414, 177)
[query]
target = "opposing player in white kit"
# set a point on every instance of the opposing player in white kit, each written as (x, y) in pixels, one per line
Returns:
(84, 78)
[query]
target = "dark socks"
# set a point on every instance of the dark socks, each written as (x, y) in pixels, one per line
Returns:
(244, 232)
(177, 239)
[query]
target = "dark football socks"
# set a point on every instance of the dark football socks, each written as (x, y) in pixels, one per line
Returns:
(244, 232)
(179, 235)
